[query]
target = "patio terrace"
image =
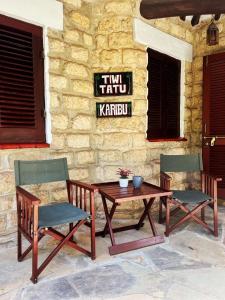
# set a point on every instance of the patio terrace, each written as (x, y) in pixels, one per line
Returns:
(189, 265)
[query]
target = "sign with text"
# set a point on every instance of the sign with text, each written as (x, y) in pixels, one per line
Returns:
(113, 109)
(113, 84)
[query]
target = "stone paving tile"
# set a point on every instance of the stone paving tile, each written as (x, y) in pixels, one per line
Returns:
(57, 289)
(198, 247)
(169, 259)
(102, 281)
(189, 265)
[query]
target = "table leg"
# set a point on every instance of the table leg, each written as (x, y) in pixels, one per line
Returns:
(112, 211)
(167, 217)
(152, 224)
(147, 207)
(108, 220)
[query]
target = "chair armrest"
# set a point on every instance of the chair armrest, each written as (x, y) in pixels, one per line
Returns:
(209, 184)
(27, 212)
(212, 176)
(33, 200)
(80, 184)
(165, 180)
(81, 195)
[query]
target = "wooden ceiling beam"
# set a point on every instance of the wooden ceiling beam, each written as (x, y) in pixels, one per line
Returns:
(153, 9)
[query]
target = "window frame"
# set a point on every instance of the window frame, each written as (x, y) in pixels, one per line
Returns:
(181, 98)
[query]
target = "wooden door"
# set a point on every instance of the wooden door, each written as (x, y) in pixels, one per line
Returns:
(213, 139)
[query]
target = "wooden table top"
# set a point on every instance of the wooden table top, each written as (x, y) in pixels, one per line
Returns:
(113, 192)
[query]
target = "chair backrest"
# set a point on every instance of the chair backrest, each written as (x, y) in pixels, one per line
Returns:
(181, 163)
(40, 171)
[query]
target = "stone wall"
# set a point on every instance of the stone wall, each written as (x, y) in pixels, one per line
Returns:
(122, 142)
(98, 37)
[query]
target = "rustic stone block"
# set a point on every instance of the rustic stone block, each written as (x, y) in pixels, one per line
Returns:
(110, 57)
(135, 156)
(80, 20)
(60, 122)
(82, 123)
(54, 65)
(7, 185)
(76, 103)
(73, 69)
(78, 141)
(139, 140)
(54, 100)
(88, 40)
(3, 222)
(4, 162)
(121, 7)
(114, 24)
(140, 107)
(109, 156)
(58, 82)
(56, 46)
(102, 41)
(85, 157)
(58, 141)
(117, 140)
(120, 40)
(7, 203)
(79, 174)
(79, 54)
(72, 36)
(82, 87)
(136, 57)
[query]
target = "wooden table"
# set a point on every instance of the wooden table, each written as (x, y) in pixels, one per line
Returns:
(112, 192)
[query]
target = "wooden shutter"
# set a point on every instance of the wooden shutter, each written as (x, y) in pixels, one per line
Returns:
(21, 82)
(163, 96)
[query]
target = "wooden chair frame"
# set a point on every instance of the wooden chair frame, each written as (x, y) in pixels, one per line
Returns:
(27, 212)
(208, 186)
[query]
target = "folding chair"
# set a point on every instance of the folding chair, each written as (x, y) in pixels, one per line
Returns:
(35, 221)
(181, 199)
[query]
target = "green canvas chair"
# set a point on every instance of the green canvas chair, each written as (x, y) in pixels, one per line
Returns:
(181, 199)
(35, 221)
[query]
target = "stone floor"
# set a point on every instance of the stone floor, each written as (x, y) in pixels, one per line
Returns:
(189, 265)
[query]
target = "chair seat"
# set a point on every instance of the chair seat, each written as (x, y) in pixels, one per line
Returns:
(190, 196)
(60, 213)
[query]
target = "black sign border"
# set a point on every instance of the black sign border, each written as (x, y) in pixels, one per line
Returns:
(126, 102)
(113, 95)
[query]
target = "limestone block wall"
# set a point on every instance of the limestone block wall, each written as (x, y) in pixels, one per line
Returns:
(98, 37)
(122, 142)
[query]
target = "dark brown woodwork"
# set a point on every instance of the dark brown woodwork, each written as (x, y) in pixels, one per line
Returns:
(27, 216)
(163, 96)
(195, 20)
(217, 17)
(21, 82)
(208, 186)
(153, 9)
(111, 192)
(214, 118)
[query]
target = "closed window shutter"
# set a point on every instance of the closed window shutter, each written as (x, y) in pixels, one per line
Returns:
(21, 82)
(163, 96)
